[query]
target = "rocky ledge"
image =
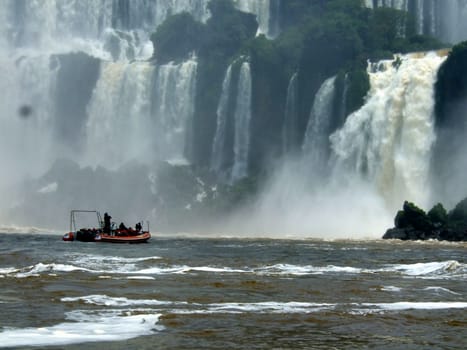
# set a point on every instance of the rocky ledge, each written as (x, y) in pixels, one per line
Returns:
(412, 223)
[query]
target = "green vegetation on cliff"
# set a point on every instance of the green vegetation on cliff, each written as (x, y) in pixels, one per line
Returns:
(181, 29)
(319, 39)
(412, 223)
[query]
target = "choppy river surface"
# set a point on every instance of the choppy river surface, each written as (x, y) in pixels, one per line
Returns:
(179, 293)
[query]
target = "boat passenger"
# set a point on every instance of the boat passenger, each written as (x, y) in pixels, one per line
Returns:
(107, 218)
(138, 227)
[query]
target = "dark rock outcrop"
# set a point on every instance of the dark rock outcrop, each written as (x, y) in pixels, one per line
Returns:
(412, 223)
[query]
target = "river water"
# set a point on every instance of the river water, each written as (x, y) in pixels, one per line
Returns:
(187, 293)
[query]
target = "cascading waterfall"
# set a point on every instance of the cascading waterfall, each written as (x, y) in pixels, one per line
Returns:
(173, 107)
(261, 8)
(124, 126)
(119, 123)
(137, 110)
(343, 104)
(379, 158)
(397, 4)
(389, 140)
(95, 27)
(32, 32)
(290, 125)
(242, 124)
(446, 20)
(217, 156)
(316, 144)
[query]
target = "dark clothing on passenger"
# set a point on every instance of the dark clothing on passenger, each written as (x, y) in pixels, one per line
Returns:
(107, 218)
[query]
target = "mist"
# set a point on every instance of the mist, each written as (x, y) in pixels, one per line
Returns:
(297, 203)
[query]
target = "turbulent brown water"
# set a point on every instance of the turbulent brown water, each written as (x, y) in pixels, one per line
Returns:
(179, 293)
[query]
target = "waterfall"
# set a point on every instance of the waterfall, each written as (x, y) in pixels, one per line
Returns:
(343, 105)
(315, 145)
(173, 107)
(32, 32)
(77, 85)
(217, 156)
(242, 119)
(389, 140)
(109, 29)
(119, 124)
(261, 8)
(446, 20)
(290, 125)
(124, 126)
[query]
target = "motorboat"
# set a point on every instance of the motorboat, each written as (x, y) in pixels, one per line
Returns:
(101, 233)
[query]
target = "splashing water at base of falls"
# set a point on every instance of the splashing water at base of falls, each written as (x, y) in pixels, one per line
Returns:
(389, 140)
(379, 158)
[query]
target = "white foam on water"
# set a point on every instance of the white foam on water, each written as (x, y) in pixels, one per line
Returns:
(140, 278)
(7, 270)
(182, 307)
(85, 328)
(89, 258)
(440, 290)
(269, 307)
(115, 264)
(431, 269)
(215, 269)
(288, 269)
(111, 268)
(38, 269)
(406, 305)
(184, 269)
(105, 300)
(391, 289)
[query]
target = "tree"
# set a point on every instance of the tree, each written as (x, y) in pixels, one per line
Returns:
(177, 37)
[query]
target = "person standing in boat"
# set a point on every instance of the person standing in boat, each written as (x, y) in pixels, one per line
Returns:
(107, 218)
(138, 227)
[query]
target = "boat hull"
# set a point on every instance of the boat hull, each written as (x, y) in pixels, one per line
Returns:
(89, 236)
(140, 238)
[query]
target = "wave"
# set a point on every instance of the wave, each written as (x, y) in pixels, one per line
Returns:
(147, 267)
(406, 305)
(38, 269)
(287, 269)
(440, 269)
(82, 327)
(105, 300)
(440, 290)
(182, 307)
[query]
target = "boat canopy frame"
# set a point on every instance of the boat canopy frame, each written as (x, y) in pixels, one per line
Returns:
(73, 219)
